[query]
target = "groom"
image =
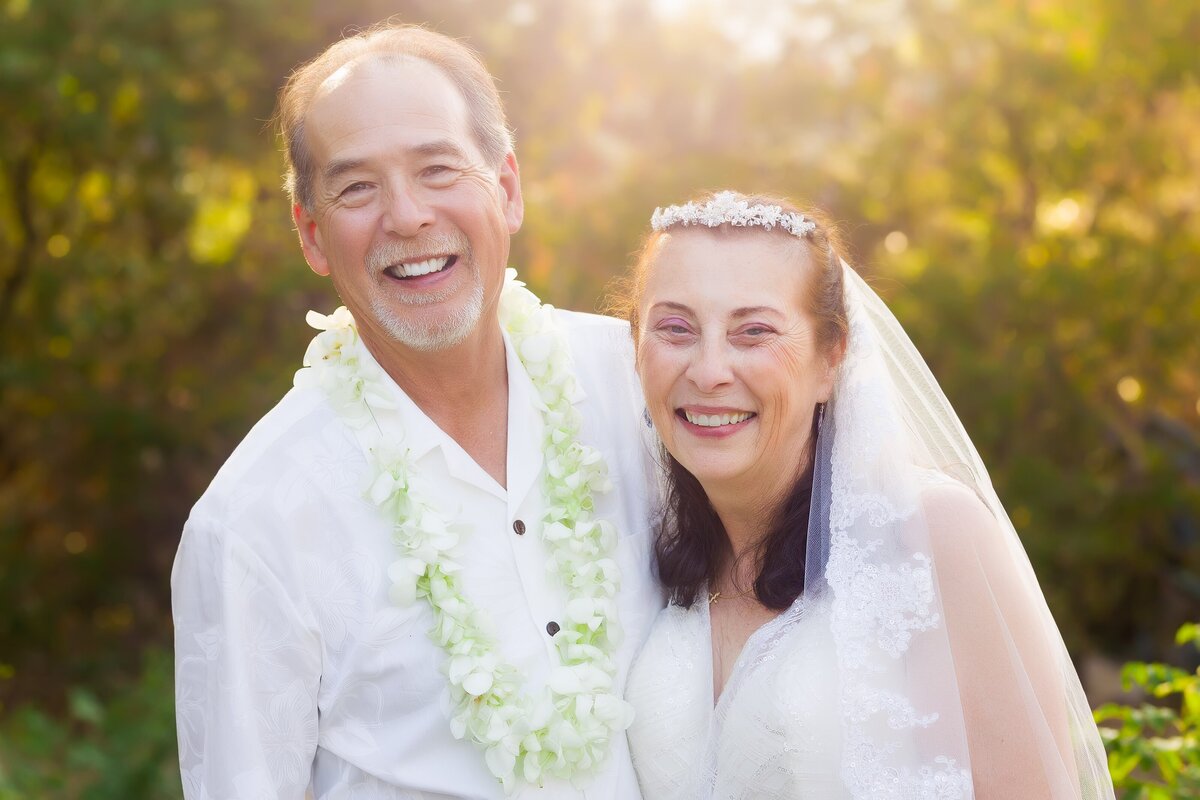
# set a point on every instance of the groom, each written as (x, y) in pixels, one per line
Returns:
(403, 583)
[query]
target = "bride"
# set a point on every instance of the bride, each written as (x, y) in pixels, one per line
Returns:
(852, 615)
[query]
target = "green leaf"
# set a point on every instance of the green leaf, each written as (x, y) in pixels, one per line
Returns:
(84, 706)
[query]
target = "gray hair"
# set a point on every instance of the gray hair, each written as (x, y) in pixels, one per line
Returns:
(388, 41)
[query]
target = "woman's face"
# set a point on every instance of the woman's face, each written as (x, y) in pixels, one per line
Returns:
(728, 357)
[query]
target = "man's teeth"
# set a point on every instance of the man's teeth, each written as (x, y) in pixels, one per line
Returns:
(716, 420)
(422, 267)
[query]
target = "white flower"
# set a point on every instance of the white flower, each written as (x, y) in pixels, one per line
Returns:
(501, 761)
(537, 349)
(404, 574)
(340, 319)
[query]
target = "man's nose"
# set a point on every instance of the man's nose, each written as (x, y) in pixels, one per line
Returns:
(407, 211)
(711, 367)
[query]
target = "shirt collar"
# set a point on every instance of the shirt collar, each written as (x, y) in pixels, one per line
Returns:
(419, 435)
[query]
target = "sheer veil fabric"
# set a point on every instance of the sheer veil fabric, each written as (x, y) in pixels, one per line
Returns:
(939, 673)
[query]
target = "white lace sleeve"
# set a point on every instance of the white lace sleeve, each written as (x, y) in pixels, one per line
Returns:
(247, 670)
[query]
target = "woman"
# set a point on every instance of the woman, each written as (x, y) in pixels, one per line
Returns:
(852, 613)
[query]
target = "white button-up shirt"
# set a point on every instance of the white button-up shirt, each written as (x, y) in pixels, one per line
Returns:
(295, 672)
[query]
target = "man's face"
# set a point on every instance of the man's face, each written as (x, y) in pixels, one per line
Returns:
(408, 219)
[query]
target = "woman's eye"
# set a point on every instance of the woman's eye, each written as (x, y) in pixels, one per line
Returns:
(674, 327)
(754, 333)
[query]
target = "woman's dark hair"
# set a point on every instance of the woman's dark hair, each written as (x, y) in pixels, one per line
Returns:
(691, 544)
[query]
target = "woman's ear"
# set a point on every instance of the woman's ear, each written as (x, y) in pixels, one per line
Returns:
(833, 360)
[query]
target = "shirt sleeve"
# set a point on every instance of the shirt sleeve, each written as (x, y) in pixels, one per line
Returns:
(247, 672)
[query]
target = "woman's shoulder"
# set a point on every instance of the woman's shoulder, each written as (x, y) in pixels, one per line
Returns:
(959, 521)
(942, 495)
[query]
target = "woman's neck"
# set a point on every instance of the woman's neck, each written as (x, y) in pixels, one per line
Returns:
(748, 511)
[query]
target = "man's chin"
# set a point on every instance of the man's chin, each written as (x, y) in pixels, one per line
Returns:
(429, 330)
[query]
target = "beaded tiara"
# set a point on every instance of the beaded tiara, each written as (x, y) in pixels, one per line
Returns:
(727, 208)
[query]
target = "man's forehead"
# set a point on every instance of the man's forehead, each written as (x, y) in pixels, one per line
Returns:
(397, 93)
(397, 72)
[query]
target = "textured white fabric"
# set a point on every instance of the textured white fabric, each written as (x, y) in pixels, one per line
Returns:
(921, 662)
(774, 733)
(294, 671)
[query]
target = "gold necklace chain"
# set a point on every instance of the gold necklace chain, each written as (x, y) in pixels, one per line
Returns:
(715, 596)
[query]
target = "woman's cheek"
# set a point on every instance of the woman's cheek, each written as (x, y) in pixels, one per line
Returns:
(656, 371)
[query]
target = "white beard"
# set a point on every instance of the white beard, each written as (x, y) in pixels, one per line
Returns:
(440, 334)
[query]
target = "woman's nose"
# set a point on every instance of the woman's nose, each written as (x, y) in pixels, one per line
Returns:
(711, 368)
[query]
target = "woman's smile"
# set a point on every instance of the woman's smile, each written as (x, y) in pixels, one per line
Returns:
(713, 422)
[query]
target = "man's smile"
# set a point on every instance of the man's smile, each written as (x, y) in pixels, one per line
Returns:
(415, 269)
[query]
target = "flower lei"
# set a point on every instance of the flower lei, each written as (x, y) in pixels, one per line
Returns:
(565, 730)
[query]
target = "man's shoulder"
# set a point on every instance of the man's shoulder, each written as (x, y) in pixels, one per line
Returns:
(584, 323)
(274, 446)
(602, 351)
(596, 337)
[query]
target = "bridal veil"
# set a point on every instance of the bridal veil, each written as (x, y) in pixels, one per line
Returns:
(953, 680)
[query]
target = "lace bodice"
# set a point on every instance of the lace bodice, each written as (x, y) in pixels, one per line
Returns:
(774, 732)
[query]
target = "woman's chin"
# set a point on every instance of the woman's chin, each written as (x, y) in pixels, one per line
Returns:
(717, 474)
(752, 478)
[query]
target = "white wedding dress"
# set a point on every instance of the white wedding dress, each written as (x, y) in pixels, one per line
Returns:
(775, 730)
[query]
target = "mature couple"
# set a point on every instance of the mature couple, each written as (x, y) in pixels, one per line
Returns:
(437, 568)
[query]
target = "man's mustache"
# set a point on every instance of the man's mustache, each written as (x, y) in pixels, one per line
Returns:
(390, 253)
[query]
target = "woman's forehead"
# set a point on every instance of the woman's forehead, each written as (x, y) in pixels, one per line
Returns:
(728, 267)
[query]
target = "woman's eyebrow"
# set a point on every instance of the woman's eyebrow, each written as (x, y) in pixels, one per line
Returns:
(748, 311)
(671, 306)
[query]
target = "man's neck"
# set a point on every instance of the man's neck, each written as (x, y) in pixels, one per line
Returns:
(463, 389)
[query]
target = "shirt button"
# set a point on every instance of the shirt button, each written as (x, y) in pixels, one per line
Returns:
(519, 527)
(552, 627)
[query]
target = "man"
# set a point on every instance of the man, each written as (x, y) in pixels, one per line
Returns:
(365, 604)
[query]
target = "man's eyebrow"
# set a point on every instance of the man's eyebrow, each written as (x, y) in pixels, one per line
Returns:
(339, 167)
(438, 147)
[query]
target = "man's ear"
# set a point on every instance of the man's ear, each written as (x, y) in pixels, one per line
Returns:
(310, 240)
(510, 185)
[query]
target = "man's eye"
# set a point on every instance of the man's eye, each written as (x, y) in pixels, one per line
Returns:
(756, 330)
(355, 187)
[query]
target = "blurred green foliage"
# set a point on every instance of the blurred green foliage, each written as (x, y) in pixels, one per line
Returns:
(122, 748)
(1154, 749)
(1019, 178)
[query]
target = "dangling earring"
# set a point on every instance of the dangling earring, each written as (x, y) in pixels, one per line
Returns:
(646, 417)
(820, 414)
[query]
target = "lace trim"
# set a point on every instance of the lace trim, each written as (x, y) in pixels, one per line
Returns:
(881, 596)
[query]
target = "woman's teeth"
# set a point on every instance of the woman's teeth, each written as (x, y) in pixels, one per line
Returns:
(422, 267)
(717, 420)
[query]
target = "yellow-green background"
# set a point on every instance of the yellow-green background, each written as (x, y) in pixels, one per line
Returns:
(1020, 179)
